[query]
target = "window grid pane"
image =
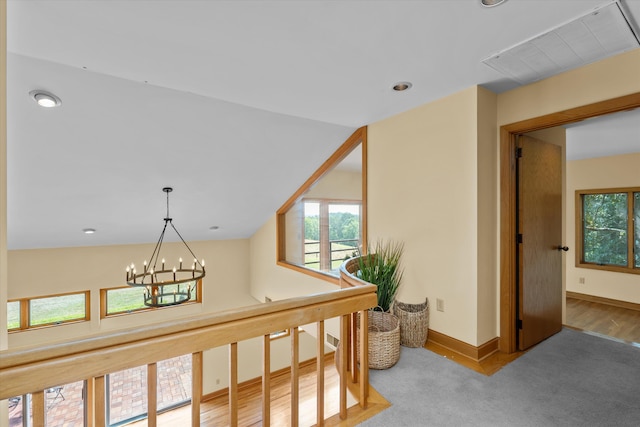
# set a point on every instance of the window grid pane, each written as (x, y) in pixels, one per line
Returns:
(125, 300)
(344, 232)
(605, 229)
(13, 315)
(312, 235)
(52, 310)
(174, 382)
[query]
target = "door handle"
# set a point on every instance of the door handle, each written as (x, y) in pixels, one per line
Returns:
(563, 248)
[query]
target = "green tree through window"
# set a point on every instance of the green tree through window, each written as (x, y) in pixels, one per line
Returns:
(608, 231)
(605, 228)
(331, 231)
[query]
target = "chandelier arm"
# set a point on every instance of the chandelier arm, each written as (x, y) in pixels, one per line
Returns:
(156, 250)
(185, 243)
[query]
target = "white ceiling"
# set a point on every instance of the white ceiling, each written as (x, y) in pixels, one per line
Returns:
(608, 135)
(233, 103)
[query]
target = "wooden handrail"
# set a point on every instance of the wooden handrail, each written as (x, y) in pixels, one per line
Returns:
(32, 370)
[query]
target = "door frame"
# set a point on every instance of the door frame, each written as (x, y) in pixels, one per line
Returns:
(508, 226)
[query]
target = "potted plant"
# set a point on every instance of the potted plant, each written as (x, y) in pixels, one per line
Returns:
(381, 267)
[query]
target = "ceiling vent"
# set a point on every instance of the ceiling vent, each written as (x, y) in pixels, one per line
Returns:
(603, 32)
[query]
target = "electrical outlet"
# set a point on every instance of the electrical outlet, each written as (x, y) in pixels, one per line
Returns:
(439, 304)
(217, 381)
(581, 280)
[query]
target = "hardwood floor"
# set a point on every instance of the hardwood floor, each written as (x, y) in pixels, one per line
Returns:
(214, 412)
(604, 319)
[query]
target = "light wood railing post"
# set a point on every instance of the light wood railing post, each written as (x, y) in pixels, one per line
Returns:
(89, 401)
(320, 375)
(196, 387)
(100, 412)
(364, 357)
(152, 394)
(353, 347)
(38, 408)
(266, 380)
(295, 364)
(344, 334)
(233, 384)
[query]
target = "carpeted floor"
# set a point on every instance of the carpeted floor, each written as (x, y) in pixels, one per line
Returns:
(571, 379)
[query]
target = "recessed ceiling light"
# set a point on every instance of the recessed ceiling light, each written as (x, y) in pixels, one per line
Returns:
(491, 3)
(401, 86)
(214, 228)
(88, 230)
(45, 99)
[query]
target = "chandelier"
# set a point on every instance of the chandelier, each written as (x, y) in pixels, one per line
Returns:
(165, 286)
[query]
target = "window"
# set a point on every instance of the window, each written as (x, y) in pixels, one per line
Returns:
(608, 229)
(311, 238)
(64, 406)
(128, 299)
(332, 233)
(27, 313)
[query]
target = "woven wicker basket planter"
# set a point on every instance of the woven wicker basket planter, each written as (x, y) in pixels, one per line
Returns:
(414, 322)
(384, 339)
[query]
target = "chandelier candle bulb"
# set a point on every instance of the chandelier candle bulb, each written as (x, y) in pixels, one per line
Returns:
(163, 263)
(180, 260)
(174, 275)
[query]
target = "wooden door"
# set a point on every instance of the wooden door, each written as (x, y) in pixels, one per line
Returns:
(539, 200)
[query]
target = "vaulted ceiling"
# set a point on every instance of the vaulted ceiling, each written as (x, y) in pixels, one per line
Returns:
(232, 103)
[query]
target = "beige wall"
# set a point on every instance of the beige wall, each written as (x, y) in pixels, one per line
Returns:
(226, 285)
(270, 280)
(3, 176)
(53, 271)
(337, 184)
(604, 172)
(487, 223)
(426, 168)
(602, 80)
(3, 193)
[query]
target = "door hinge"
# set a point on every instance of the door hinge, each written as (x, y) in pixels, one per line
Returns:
(518, 152)
(519, 238)
(519, 323)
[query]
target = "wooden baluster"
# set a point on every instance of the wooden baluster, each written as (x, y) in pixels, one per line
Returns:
(233, 384)
(295, 355)
(100, 401)
(38, 408)
(266, 380)
(364, 358)
(344, 335)
(196, 387)
(320, 375)
(353, 346)
(89, 401)
(152, 394)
